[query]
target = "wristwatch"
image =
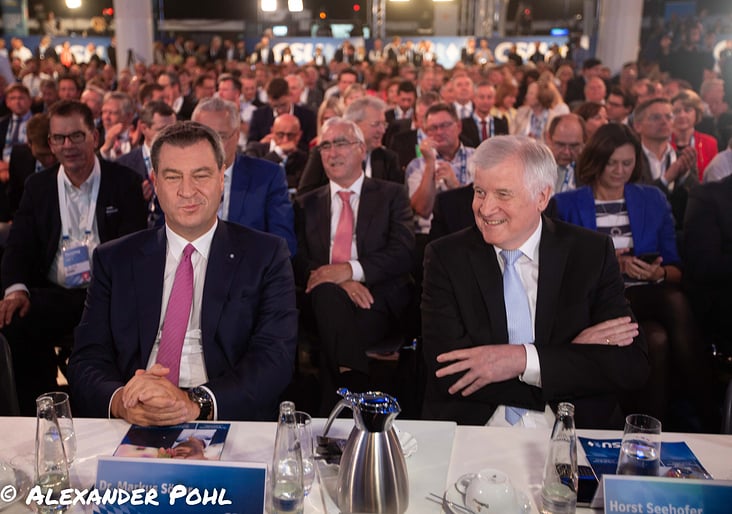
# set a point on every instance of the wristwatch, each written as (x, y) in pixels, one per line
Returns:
(202, 398)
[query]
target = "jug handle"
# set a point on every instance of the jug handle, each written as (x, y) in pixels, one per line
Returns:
(334, 413)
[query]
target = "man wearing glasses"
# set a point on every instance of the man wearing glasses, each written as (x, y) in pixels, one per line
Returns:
(65, 212)
(566, 138)
(282, 148)
(355, 247)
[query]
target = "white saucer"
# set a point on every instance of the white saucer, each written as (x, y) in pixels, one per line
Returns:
(452, 495)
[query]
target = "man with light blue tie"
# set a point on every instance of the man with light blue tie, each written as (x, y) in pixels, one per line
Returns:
(552, 291)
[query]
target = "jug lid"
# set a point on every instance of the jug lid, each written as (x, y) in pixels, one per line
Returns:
(373, 402)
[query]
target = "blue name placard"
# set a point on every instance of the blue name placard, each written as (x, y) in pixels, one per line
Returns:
(167, 486)
(656, 495)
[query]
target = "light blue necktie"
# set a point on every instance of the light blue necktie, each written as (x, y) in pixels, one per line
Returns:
(518, 314)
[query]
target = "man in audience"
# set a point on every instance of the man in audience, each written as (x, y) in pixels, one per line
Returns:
(255, 190)
(618, 106)
(566, 137)
(380, 163)
(406, 141)
(721, 165)
(481, 125)
(464, 91)
(230, 89)
(65, 212)
(68, 88)
(194, 320)
(13, 126)
(117, 114)
(355, 248)
(503, 334)
(406, 98)
(346, 78)
(173, 96)
(280, 102)
(282, 148)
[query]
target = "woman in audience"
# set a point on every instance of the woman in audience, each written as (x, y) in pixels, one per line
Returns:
(638, 219)
(541, 104)
(595, 116)
(505, 100)
(688, 109)
(330, 108)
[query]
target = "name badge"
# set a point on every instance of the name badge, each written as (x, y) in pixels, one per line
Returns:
(77, 267)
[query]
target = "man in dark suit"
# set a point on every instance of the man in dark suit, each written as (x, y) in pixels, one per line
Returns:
(481, 125)
(356, 275)
(255, 190)
(278, 93)
(173, 96)
(406, 98)
(44, 277)
(226, 331)
(282, 148)
(379, 162)
(404, 141)
(12, 127)
(550, 289)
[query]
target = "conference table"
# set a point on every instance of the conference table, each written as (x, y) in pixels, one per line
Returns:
(443, 453)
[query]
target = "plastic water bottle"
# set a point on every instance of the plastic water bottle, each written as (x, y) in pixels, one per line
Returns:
(288, 492)
(559, 490)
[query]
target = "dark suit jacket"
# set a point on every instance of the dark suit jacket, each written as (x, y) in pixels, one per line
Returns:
(452, 211)
(36, 230)
(248, 321)
(186, 109)
(259, 199)
(22, 166)
(395, 127)
(470, 133)
(4, 124)
(404, 144)
(135, 161)
(294, 165)
(384, 166)
(579, 286)
(315, 98)
(263, 118)
(384, 237)
(707, 247)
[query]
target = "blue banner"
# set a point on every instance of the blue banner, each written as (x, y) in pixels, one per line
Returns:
(15, 17)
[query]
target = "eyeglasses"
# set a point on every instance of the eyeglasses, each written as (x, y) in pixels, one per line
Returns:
(431, 129)
(283, 135)
(655, 118)
(338, 144)
(75, 137)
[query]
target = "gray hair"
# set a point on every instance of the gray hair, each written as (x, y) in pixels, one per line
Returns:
(357, 110)
(183, 134)
(540, 168)
(125, 101)
(216, 104)
(349, 124)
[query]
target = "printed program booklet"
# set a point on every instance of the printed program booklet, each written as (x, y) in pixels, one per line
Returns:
(197, 441)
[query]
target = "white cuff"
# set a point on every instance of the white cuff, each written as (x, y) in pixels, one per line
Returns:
(109, 407)
(356, 271)
(532, 373)
(17, 287)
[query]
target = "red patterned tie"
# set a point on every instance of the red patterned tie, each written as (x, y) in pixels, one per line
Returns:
(177, 314)
(483, 130)
(344, 231)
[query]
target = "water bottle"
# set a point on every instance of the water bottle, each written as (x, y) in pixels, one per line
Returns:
(559, 490)
(288, 492)
(52, 468)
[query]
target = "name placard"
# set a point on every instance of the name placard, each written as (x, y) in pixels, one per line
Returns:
(657, 495)
(164, 486)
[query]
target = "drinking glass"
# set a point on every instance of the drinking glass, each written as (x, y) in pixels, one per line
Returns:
(640, 451)
(65, 422)
(305, 431)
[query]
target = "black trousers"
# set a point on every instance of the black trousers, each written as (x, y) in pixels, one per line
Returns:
(53, 315)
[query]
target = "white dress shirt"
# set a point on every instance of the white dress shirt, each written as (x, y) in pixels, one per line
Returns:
(336, 206)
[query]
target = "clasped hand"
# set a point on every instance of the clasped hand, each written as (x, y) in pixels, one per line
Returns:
(149, 398)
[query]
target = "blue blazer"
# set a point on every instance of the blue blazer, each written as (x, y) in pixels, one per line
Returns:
(650, 216)
(259, 199)
(248, 321)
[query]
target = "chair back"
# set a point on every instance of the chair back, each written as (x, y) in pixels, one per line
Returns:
(8, 393)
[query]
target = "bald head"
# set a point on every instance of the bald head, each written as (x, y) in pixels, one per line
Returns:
(286, 131)
(566, 138)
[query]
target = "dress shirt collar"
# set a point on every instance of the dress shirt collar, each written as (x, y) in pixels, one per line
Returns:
(355, 188)
(176, 243)
(530, 247)
(86, 186)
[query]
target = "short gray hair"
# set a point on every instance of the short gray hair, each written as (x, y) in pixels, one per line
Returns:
(540, 168)
(342, 122)
(357, 110)
(124, 100)
(216, 104)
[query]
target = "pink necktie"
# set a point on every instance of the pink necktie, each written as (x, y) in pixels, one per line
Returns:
(177, 314)
(344, 231)
(483, 130)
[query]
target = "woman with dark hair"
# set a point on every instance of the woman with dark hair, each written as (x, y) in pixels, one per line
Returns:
(594, 114)
(505, 101)
(639, 221)
(688, 110)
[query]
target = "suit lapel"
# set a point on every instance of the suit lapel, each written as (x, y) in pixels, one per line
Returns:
(490, 281)
(367, 209)
(552, 262)
(222, 262)
(322, 225)
(148, 272)
(377, 164)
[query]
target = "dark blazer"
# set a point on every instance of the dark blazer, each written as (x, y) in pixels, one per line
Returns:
(404, 144)
(263, 118)
(186, 109)
(470, 133)
(22, 165)
(396, 127)
(248, 321)
(4, 124)
(384, 237)
(135, 160)
(579, 286)
(452, 211)
(314, 99)
(259, 199)
(294, 165)
(384, 166)
(36, 230)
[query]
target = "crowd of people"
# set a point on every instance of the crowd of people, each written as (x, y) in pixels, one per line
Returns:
(389, 183)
